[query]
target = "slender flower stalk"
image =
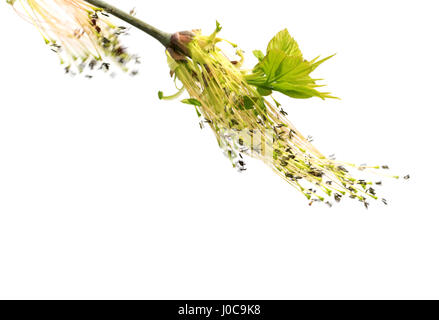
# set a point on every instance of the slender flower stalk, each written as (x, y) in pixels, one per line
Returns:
(236, 103)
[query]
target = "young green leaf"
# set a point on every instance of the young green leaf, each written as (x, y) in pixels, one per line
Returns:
(289, 75)
(284, 42)
(192, 101)
(259, 55)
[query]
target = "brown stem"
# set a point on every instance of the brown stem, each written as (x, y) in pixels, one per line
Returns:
(163, 37)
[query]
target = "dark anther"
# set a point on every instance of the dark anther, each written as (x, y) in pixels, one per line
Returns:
(337, 197)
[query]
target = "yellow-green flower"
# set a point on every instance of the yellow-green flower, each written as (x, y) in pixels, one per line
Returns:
(236, 103)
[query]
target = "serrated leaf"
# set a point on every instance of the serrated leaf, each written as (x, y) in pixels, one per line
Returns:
(272, 63)
(284, 42)
(289, 75)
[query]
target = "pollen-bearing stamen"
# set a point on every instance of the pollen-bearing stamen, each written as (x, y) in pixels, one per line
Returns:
(81, 34)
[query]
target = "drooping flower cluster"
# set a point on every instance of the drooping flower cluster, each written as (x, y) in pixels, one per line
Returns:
(234, 103)
(82, 35)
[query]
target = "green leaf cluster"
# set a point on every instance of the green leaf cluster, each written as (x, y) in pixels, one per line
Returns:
(284, 69)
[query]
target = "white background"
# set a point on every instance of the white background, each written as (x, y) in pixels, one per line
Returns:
(107, 192)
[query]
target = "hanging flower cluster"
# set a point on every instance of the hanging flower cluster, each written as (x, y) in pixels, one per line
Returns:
(236, 103)
(81, 34)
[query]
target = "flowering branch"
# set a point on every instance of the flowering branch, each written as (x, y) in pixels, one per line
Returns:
(236, 103)
(163, 37)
